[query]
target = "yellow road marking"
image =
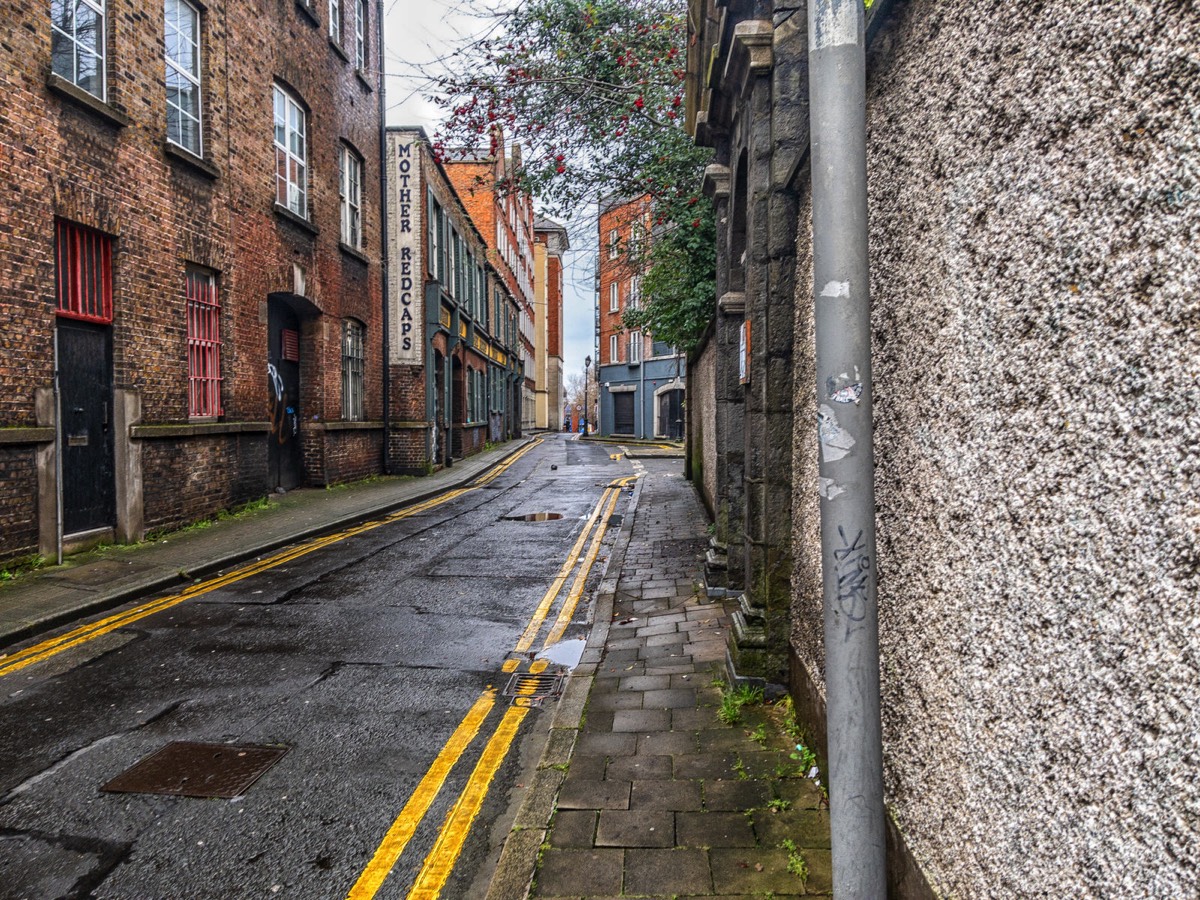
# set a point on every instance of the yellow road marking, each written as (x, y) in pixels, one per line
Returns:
(53, 646)
(543, 609)
(439, 864)
(441, 859)
(410, 817)
(567, 612)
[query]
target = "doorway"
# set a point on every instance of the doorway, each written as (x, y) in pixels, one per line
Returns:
(86, 404)
(285, 460)
(623, 407)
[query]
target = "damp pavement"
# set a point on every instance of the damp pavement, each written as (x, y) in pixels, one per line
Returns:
(641, 790)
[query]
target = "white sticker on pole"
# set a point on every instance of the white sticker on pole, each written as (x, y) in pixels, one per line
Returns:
(836, 441)
(834, 23)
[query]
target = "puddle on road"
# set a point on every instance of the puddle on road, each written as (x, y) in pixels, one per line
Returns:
(564, 653)
(533, 517)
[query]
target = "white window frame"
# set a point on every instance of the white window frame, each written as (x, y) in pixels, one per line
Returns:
(291, 152)
(335, 21)
(350, 174)
(614, 241)
(360, 36)
(612, 348)
(64, 27)
(614, 300)
(177, 68)
(635, 292)
(635, 347)
(354, 368)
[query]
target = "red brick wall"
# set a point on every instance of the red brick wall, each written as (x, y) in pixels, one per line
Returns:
(619, 217)
(60, 158)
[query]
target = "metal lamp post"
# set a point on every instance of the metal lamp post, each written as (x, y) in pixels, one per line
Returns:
(587, 365)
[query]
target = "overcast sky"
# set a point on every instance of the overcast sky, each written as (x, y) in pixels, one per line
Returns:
(417, 33)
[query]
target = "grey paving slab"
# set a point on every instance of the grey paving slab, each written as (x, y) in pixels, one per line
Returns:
(669, 743)
(606, 744)
(581, 794)
(660, 794)
(641, 720)
(666, 873)
(671, 698)
(736, 795)
(573, 873)
(645, 683)
(574, 828)
(635, 828)
(640, 766)
(714, 829)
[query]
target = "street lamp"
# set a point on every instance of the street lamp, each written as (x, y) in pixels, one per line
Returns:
(587, 364)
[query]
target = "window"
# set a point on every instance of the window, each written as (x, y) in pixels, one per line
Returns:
(354, 336)
(291, 190)
(350, 195)
(335, 21)
(614, 240)
(435, 218)
(360, 36)
(77, 43)
(83, 272)
(635, 292)
(635, 347)
(182, 39)
(612, 348)
(203, 344)
(613, 300)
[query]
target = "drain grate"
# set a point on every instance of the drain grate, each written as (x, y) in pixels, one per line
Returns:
(528, 689)
(189, 769)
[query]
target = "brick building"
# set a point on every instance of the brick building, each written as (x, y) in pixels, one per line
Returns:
(550, 242)
(640, 379)
(185, 227)
(454, 353)
(505, 219)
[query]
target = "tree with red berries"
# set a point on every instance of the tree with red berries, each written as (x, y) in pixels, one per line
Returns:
(593, 91)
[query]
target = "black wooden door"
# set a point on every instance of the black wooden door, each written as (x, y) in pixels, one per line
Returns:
(284, 457)
(623, 412)
(86, 398)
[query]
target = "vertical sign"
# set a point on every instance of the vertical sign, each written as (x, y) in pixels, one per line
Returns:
(407, 292)
(744, 352)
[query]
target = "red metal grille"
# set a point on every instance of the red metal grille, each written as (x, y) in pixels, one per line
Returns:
(83, 272)
(204, 345)
(290, 345)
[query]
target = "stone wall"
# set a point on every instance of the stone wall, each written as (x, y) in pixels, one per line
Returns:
(702, 419)
(1035, 215)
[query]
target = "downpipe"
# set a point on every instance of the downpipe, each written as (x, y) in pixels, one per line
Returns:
(841, 295)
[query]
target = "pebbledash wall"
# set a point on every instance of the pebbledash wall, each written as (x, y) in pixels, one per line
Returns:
(95, 171)
(1035, 224)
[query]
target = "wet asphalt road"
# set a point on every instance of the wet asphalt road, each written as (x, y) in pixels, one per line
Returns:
(361, 659)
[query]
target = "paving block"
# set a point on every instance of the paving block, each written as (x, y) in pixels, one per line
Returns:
(635, 828)
(641, 720)
(672, 698)
(664, 873)
(755, 872)
(672, 795)
(580, 794)
(713, 829)
(640, 766)
(808, 828)
(736, 795)
(572, 873)
(573, 828)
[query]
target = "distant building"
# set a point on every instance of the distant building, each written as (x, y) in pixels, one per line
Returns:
(455, 363)
(505, 220)
(189, 229)
(550, 242)
(641, 379)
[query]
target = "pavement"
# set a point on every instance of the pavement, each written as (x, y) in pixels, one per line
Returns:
(643, 790)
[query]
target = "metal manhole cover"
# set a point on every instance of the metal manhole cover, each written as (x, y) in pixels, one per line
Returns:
(529, 689)
(188, 769)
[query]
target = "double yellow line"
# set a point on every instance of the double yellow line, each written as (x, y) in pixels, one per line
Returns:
(74, 638)
(439, 863)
